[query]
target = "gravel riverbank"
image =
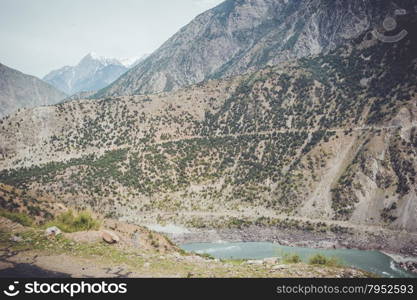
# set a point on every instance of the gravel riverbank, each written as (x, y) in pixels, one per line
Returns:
(401, 246)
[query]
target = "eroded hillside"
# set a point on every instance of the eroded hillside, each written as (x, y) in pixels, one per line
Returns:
(330, 137)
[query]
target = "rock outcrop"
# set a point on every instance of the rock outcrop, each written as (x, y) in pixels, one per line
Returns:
(110, 237)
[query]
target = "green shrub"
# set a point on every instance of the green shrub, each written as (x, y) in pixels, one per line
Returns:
(206, 256)
(71, 222)
(291, 259)
(322, 260)
(20, 218)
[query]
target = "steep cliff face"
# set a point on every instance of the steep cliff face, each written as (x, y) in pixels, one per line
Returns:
(242, 35)
(18, 90)
(330, 137)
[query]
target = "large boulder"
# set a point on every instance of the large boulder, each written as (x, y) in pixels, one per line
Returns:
(110, 237)
(53, 231)
(271, 261)
(16, 239)
(255, 262)
(410, 266)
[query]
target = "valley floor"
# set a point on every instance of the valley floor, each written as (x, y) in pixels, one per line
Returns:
(398, 244)
(244, 226)
(35, 255)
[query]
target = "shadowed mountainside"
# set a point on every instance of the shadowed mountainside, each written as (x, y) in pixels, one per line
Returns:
(18, 90)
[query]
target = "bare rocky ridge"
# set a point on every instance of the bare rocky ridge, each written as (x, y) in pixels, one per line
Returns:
(243, 35)
(18, 90)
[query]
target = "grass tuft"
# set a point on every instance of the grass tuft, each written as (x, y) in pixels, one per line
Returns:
(321, 260)
(20, 218)
(291, 259)
(75, 222)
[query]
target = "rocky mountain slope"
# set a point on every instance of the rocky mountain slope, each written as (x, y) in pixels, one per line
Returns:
(18, 90)
(330, 138)
(242, 35)
(91, 74)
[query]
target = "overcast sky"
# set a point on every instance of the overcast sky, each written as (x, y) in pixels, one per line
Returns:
(37, 36)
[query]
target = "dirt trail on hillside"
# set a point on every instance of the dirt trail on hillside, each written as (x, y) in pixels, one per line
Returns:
(270, 132)
(251, 215)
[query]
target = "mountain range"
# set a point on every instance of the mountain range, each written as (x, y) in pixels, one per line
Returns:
(259, 113)
(329, 137)
(91, 74)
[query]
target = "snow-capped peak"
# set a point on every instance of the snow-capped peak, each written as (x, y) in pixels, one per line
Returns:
(92, 73)
(95, 56)
(132, 61)
(92, 56)
(127, 62)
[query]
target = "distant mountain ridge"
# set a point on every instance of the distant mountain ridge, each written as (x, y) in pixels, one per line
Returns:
(244, 35)
(19, 90)
(93, 73)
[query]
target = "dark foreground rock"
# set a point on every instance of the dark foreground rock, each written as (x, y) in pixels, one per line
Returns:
(410, 266)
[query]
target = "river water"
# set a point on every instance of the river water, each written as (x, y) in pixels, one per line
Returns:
(371, 261)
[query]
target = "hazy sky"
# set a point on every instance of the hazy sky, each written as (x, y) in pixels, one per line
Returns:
(37, 36)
